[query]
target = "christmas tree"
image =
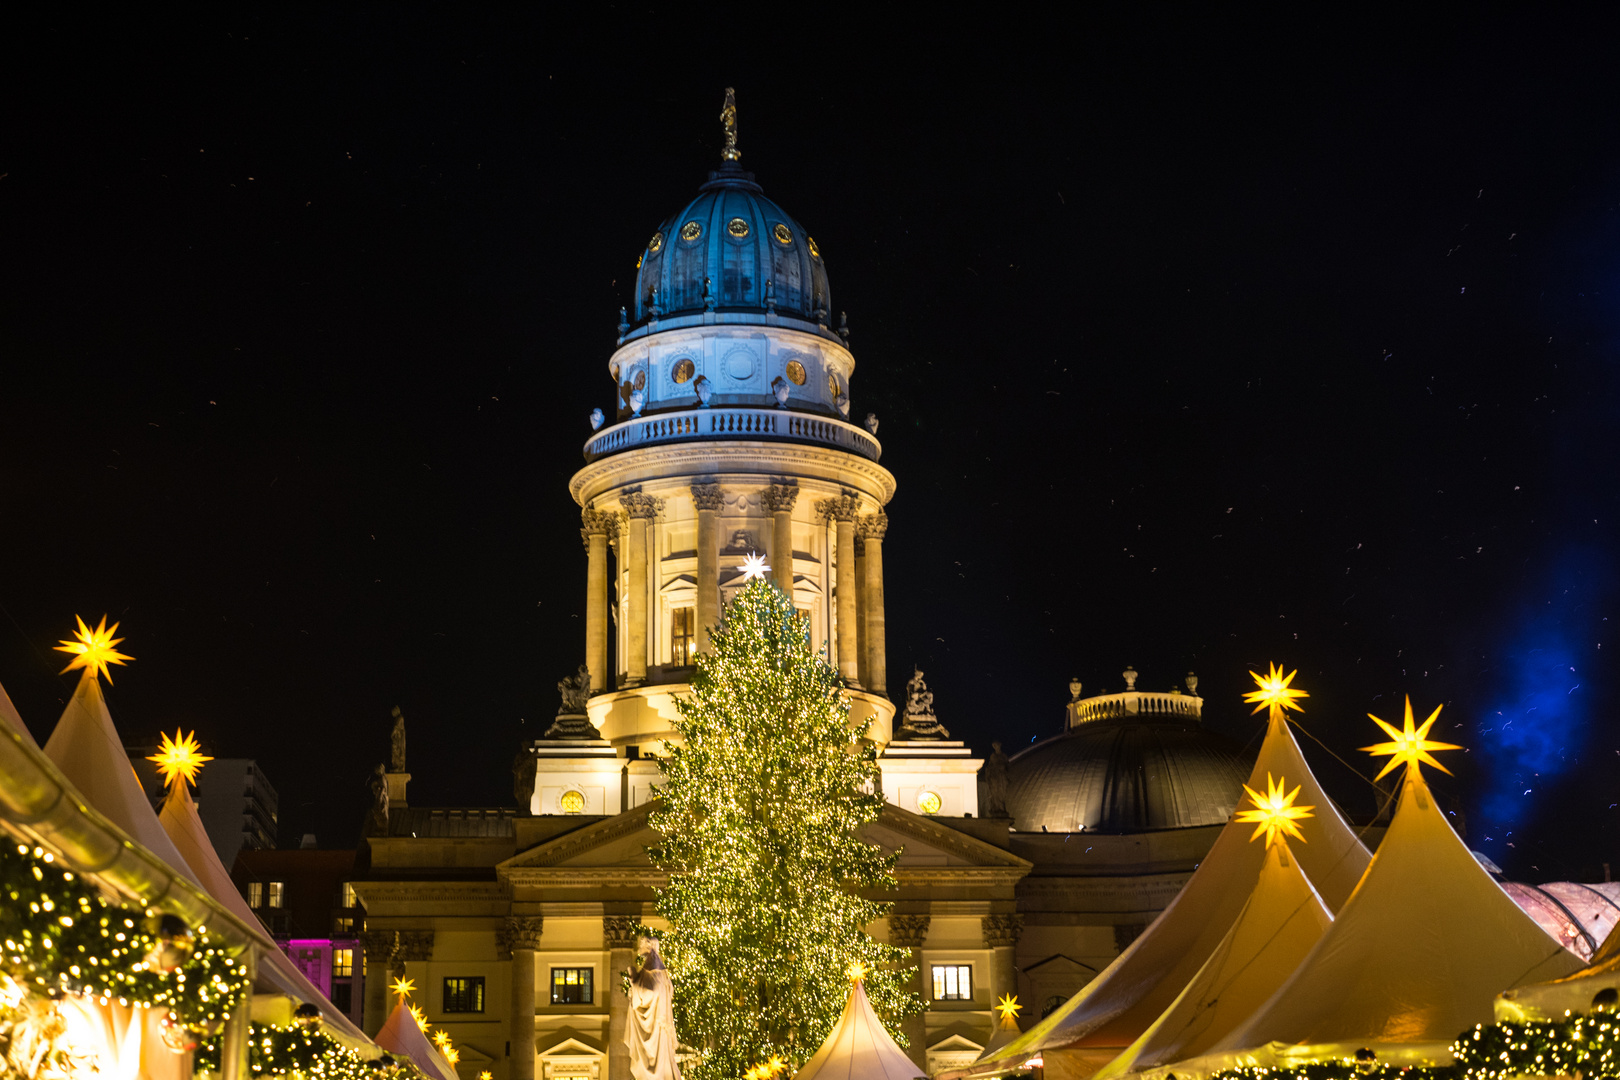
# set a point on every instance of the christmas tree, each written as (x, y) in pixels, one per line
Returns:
(759, 816)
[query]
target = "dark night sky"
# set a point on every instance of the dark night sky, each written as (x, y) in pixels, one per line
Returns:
(1195, 344)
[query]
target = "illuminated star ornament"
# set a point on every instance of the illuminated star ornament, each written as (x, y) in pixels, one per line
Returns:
(402, 987)
(441, 1039)
(1409, 746)
(753, 566)
(1274, 812)
(856, 970)
(93, 649)
(1008, 1007)
(178, 758)
(1274, 692)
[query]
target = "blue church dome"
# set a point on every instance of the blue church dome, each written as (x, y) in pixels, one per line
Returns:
(731, 250)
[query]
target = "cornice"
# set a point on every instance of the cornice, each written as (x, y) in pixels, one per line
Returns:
(595, 876)
(456, 891)
(959, 875)
(708, 459)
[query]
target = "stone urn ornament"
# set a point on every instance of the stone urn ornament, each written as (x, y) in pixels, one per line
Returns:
(779, 387)
(596, 419)
(705, 390)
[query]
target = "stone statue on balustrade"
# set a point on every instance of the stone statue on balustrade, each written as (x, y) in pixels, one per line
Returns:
(650, 1033)
(919, 721)
(396, 741)
(995, 784)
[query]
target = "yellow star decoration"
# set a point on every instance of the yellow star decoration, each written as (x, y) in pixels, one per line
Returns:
(441, 1039)
(486, 1075)
(93, 649)
(1411, 745)
(754, 567)
(402, 987)
(1274, 812)
(420, 1017)
(178, 758)
(452, 1055)
(1008, 1006)
(856, 971)
(1274, 692)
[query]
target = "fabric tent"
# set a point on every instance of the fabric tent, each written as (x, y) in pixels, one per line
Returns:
(1116, 1007)
(86, 747)
(859, 1048)
(1418, 954)
(402, 1035)
(276, 970)
(1281, 923)
(1006, 1031)
(1570, 994)
(8, 713)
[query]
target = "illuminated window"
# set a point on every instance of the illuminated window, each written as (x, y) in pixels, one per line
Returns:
(929, 802)
(571, 986)
(349, 897)
(572, 802)
(464, 994)
(255, 894)
(275, 894)
(343, 924)
(683, 647)
(684, 370)
(342, 963)
(953, 982)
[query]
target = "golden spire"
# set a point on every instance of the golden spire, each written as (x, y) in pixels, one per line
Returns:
(93, 649)
(179, 758)
(728, 120)
(1274, 812)
(1409, 746)
(1274, 693)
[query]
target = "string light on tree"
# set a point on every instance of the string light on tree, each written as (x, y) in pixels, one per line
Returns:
(1274, 812)
(1409, 746)
(93, 649)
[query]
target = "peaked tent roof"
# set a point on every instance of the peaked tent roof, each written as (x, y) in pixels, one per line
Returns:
(1006, 1031)
(859, 1048)
(86, 747)
(1552, 1000)
(1281, 923)
(1416, 956)
(403, 1035)
(1120, 1003)
(180, 821)
(9, 713)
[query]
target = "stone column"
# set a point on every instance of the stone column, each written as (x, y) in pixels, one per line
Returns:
(860, 607)
(378, 946)
(599, 525)
(641, 509)
(522, 936)
(1001, 938)
(876, 678)
(708, 499)
(779, 499)
(843, 510)
(910, 932)
(619, 939)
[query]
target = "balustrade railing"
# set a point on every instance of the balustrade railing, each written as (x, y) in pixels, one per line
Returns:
(731, 423)
(1134, 703)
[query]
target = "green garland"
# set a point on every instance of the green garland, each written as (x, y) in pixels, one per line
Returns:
(58, 932)
(302, 1049)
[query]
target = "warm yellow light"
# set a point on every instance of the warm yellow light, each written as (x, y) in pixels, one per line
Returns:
(1409, 746)
(441, 1038)
(93, 649)
(402, 987)
(486, 1075)
(420, 1017)
(1274, 812)
(1008, 1006)
(178, 758)
(753, 566)
(856, 970)
(1274, 692)
(452, 1055)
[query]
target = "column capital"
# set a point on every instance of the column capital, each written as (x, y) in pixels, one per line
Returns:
(1001, 930)
(521, 931)
(908, 931)
(378, 945)
(779, 498)
(873, 526)
(413, 945)
(843, 507)
(597, 523)
(619, 931)
(708, 496)
(640, 506)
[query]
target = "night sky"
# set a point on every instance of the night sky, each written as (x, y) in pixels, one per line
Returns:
(1196, 345)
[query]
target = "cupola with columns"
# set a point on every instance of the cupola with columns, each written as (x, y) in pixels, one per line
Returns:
(730, 440)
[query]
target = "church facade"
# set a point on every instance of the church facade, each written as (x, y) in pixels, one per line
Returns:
(731, 439)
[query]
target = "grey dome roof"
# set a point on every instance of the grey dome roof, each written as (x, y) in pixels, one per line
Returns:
(738, 240)
(1127, 775)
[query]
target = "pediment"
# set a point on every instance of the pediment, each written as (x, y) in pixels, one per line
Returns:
(924, 842)
(566, 1041)
(618, 841)
(1058, 964)
(956, 1042)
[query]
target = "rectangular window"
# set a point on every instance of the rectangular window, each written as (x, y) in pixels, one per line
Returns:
(682, 647)
(342, 964)
(464, 994)
(342, 996)
(255, 894)
(571, 986)
(953, 982)
(348, 899)
(343, 924)
(276, 894)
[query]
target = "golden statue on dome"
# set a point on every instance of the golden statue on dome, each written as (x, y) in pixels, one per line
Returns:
(728, 119)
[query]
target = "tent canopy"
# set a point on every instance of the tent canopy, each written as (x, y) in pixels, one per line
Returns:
(402, 1035)
(859, 1048)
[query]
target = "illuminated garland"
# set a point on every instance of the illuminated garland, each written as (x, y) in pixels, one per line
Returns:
(759, 811)
(302, 1049)
(59, 933)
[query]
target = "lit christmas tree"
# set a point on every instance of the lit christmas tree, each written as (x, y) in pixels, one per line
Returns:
(759, 815)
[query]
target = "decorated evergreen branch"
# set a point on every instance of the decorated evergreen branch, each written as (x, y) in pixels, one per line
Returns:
(759, 813)
(303, 1049)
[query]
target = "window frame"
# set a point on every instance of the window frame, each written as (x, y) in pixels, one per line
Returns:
(275, 894)
(342, 963)
(255, 894)
(682, 636)
(942, 975)
(586, 987)
(471, 993)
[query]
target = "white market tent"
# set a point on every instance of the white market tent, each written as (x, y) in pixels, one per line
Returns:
(1417, 956)
(403, 1036)
(8, 713)
(1554, 999)
(277, 973)
(859, 1048)
(1282, 921)
(1116, 1007)
(1006, 1031)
